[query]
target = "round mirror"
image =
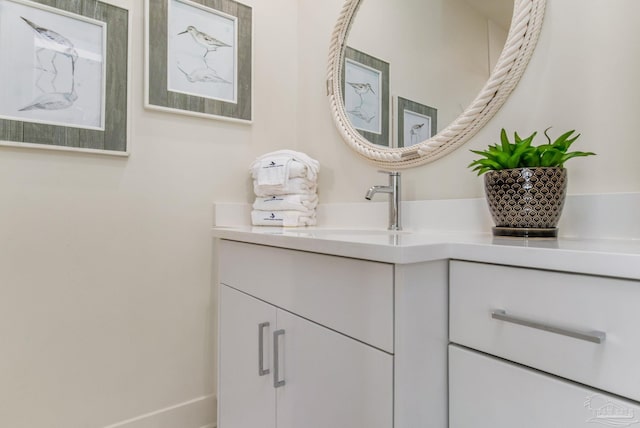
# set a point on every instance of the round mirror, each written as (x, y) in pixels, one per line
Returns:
(415, 79)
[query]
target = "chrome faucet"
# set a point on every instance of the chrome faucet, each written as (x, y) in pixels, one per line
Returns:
(393, 189)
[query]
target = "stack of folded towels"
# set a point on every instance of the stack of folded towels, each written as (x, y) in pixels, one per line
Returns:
(285, 184)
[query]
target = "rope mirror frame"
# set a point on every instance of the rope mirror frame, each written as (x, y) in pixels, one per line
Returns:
(521, 41)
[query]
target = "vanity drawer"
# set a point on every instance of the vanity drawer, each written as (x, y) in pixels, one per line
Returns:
(550, 321)
(351, 296)
(488, 392)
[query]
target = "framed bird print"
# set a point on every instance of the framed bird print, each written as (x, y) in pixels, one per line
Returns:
(199, 58)
(365, 86)
(415, 122)
(60, 89)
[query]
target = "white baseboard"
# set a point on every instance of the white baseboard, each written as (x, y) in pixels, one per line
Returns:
(197, 413)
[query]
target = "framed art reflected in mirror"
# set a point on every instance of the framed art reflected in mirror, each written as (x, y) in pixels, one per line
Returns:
(415, 122)
(365, 84)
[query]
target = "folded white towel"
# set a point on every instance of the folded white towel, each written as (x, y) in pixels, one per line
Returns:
(295, 168)
(298, 169)
(273, 171)
(297, 202)
(291, 186)
(282, 218)
(312, 165)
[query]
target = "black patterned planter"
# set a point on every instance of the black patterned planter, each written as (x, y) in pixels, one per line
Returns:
(526, 201)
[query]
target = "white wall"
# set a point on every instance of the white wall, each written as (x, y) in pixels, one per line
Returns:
(438, 50)
(107, 303)
(497, 38)
(107, 308)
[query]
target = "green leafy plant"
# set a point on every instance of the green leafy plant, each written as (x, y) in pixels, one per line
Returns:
(522, 154)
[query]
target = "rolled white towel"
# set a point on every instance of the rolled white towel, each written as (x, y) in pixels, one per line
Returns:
(297, 202)
(291, 186)
(312, 166)
(282, 218)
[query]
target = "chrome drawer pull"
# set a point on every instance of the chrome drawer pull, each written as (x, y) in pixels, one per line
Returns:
(261, 370)
(589, 336)
(277, 383)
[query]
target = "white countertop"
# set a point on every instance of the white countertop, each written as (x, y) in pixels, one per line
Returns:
(615, 258)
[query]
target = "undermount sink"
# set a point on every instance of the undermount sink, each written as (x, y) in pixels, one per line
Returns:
(365, 231)
(358, 232)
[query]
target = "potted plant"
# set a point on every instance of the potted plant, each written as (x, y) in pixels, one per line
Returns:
(526, 184)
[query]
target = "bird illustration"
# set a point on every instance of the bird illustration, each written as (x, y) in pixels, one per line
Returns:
(54, 41)
(415, 132)
(205, 40)
(361, 114)
(53, 101)
(415, 129)
(361, 89)
(203, 74)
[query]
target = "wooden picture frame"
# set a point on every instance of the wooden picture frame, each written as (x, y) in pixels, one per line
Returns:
(365, 91)
(68, 91)
(415, 122)
(198, 58)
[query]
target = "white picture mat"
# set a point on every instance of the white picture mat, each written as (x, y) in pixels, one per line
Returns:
(365, 112)
(422, 130)
(188, 70)
(25, 83)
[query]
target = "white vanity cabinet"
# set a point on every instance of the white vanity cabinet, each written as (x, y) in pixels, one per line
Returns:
(305, 340)
(318, 378)
(416, 331)
(315, 340)
(556, 349)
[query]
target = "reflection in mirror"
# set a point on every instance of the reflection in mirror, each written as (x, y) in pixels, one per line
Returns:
(365, 93)
(439, 110)
(439, 54)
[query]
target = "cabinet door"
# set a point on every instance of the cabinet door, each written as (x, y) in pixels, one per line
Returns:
(331, 380)
(485, 392)
(246, 398)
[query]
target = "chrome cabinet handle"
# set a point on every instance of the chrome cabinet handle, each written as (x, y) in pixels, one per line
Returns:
(276, 359)
(261, 370)
(589, 336)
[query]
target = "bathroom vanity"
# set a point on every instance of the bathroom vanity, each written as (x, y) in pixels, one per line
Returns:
(348, 328)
